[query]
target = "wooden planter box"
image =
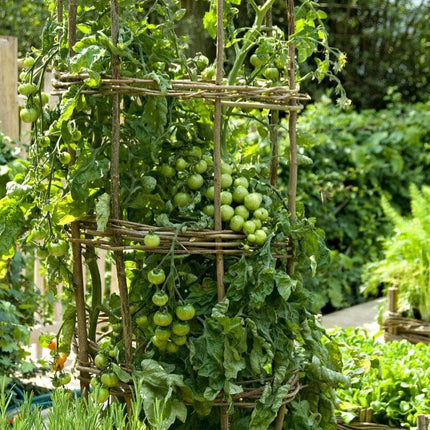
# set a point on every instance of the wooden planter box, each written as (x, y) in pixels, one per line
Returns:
(397, 327)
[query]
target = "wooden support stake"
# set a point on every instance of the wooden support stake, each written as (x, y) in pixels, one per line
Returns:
(292, 182)
(423, 422)
(392, 306)
(78, 275)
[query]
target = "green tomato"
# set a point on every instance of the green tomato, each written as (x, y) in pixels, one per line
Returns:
(163, 319)
(236, 223)
(57, 249)
(27, 89)
(160, 344)
(109, 379)
(251, 238)
(172, 347)
(209, 210)
(201, 166)
(101, 361)
(181, 164)
(210, 193)
(260, 237)
(181, 199)
(42, 252)
(180, 328)
(239, 193)
(167, 171)
(241, 211)
(152, 240)
(44, 98)
(156, 276)
(65, 378)
(28, 62)
(100, 394)
(241, 180)
(43, 141)
(162, 333)
(142, 321)
(194, 152)
(227, 213)
(257, 222)
(179, 340)
(28, 114)
(94, 382)
(256, 61)
(185, 312)
(226, 198)
(253, 201)
(226, 168)
(160, 298)
(64, 157)
(226, 180)
(271, 73)
(249, 227)
(76, 135)
(195, 181)
(261, 213)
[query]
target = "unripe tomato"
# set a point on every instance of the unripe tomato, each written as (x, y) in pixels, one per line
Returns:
(27, 89)
(226, 198)
(253, 201)
(65, 157)
(227, 212)
(57, 249)
(152, 240)
(249, 227)
(101, 361)
(260, 237)
(195, 181)
(179, 340)
(181, 164)
(156, 276)
(160, 298)
(239, 193)
(163, 319)
(42, 252)
(100, 394)
(241, 180)
(167, 171)
(226, 168)
(65, 378)
(109, 379)
(28, 62)
(160, 344)
(201, 166)
(262, 214)
(172, 347)
(181, 199)
(162, 333)
(43, 141)
(210, 193)
(180, 328)
(28, 114)
(142, 321)
(271, 73)
(226, 180)
(241, 211)
(185, 312)
(209, 210)
(236, 223)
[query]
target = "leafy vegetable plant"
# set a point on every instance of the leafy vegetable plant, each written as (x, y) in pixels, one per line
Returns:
(390, 378)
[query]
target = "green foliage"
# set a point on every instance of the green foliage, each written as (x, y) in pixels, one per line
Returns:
(24, 20)
(357, 158)
(406, 261)
(18, 300)
(390, 378)
(396, 33)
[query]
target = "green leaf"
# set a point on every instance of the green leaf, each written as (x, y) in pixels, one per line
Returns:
(102, 211)
(122, 374)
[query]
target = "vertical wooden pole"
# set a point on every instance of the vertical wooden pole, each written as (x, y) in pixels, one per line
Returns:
(78, 273)
(224, 419)
(9, 114)
(292, 181)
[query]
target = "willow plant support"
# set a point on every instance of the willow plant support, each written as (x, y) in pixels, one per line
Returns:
(292, 180)
(78, 276)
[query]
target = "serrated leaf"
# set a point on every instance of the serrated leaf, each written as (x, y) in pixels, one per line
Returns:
(102, 211)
